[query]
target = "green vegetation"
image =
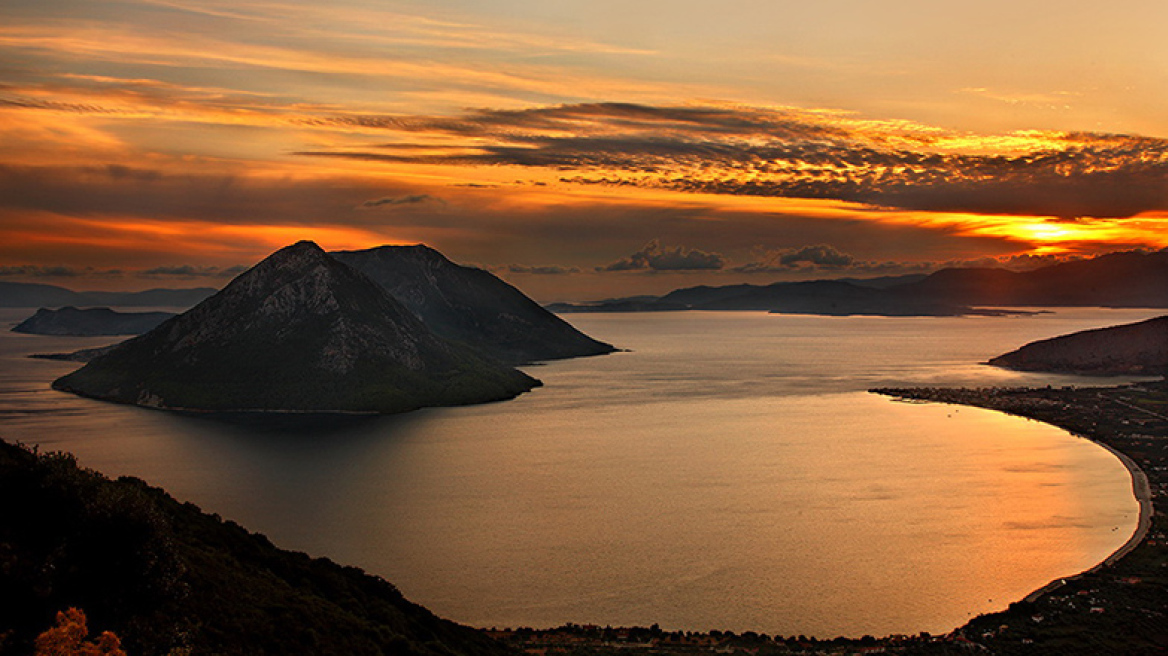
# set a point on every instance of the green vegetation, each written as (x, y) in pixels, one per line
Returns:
(167, 578)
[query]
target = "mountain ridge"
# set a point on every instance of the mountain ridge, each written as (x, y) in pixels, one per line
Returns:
(1122, 279)
(31, 294)
(471, 305)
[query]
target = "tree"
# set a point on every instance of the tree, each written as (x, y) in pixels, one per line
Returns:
(68, 638)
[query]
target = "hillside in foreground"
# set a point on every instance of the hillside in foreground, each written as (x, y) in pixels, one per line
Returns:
(167, 577)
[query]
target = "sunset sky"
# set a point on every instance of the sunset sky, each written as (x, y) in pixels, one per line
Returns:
(578, 149)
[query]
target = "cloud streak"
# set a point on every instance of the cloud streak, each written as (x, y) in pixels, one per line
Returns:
(191, 271)
(786, 153)
(389, 201)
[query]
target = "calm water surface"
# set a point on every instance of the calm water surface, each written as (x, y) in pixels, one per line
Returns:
(728, 472)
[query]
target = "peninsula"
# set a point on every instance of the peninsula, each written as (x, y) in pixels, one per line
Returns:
(1136, 348)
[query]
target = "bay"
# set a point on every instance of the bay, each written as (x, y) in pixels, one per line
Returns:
(728, 471)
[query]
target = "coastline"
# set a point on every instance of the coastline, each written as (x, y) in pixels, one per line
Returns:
(1118, 606)
(1139, 440)
(1142, 491)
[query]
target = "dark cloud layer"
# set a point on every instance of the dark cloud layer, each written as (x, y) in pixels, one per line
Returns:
(549, 270)
(819, 256)
(754, 152)
(34, 271)
(654, 257)
(190, 271)
(412, 199)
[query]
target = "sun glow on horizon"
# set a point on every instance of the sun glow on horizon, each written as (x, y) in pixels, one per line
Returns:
(170, 134)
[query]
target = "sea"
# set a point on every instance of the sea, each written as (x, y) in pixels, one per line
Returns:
(724, 470)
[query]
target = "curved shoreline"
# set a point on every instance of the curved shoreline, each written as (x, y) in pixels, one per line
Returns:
(1141, 488)
(1142, 491)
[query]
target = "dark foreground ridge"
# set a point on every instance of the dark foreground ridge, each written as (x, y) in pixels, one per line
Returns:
(298, 332)
(168, 578)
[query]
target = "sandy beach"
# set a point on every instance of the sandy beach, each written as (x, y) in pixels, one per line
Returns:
(1143, 494)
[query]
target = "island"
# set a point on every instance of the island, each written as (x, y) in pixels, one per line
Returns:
(471, 305)
(299, 332)
(90, 322)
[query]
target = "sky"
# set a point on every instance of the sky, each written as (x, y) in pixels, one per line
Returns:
(579, 150)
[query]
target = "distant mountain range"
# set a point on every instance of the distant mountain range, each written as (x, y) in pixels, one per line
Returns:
(27, 294)
(824, 297)
(1136, 348)
(90, 322)
(1129, 279)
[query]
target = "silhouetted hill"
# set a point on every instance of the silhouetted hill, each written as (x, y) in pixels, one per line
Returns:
(632, 304)
(824, 297)
(170, 579)
(24, 294)
(1135, 348)
(152, 297)
(471, 305)
(829, 297)
(1128, 279)
(31, 294)
(300, 331)
(94, 321)
(884, 282)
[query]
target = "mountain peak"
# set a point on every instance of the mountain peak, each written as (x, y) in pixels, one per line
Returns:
(299, 331)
